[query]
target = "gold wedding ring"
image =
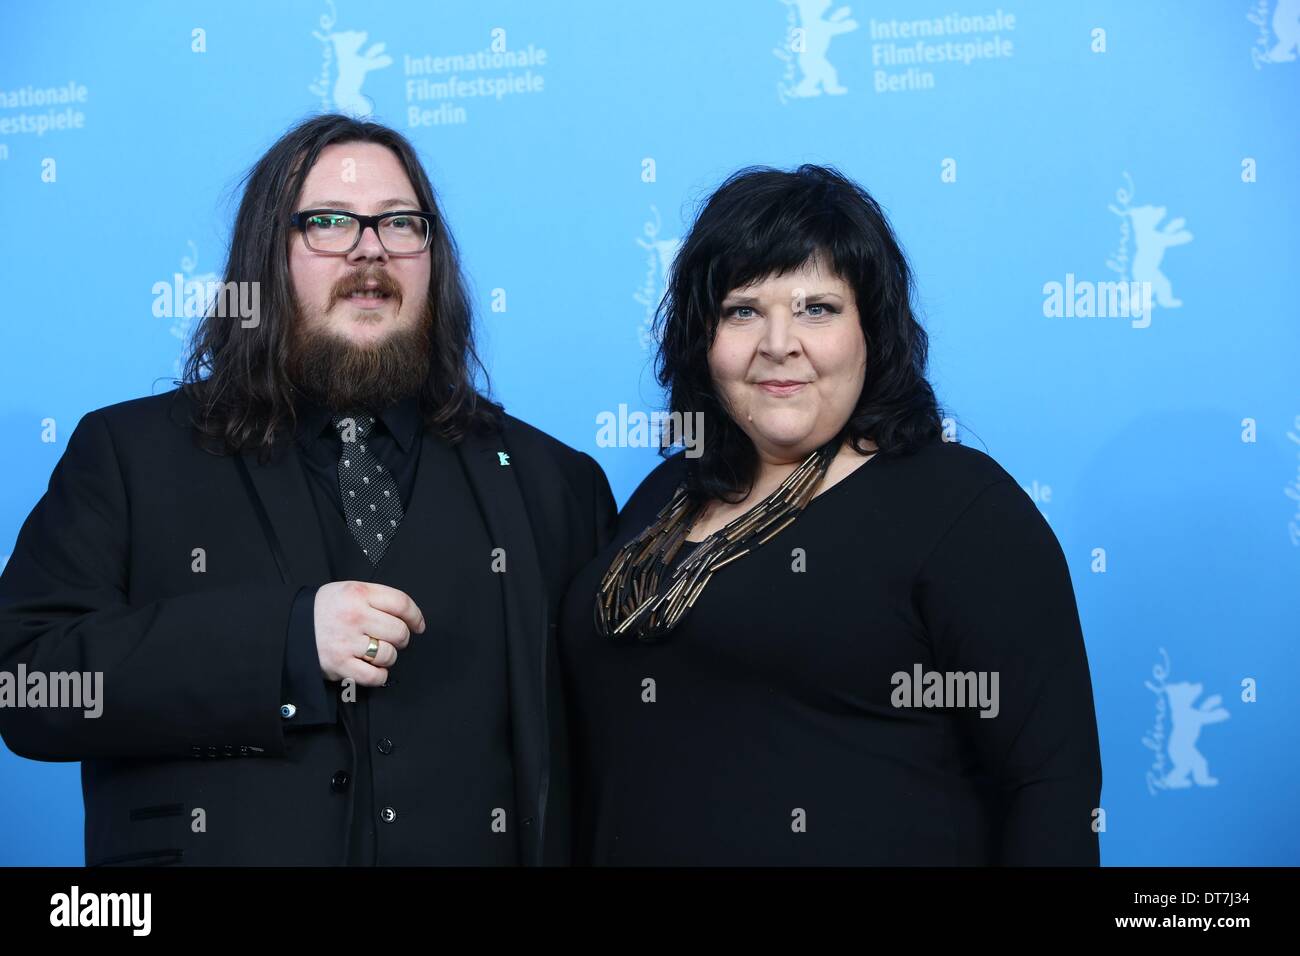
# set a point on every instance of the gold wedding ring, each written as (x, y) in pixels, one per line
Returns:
(372, 650)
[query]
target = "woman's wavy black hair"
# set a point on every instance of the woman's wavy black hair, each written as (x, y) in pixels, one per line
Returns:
(237, 376)
(761, 222)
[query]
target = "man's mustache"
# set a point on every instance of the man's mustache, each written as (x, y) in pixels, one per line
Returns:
(376, 281)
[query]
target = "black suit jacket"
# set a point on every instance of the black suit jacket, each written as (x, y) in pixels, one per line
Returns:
(103, 578)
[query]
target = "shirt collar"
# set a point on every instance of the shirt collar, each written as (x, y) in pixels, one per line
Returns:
(402, 420)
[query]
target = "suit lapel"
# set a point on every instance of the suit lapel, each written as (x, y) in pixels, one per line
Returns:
(495, 482)
(289, 518)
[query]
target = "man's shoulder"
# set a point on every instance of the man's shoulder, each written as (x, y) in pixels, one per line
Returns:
(148, 431)
(528, 441)
(545, 462)
(169, 407)
(147, 420)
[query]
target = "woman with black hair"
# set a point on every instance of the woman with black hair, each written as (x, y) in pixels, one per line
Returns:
(833, 637)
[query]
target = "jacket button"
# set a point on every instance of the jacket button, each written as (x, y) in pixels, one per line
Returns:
(388, 814)
(385, 745)
(339, 782)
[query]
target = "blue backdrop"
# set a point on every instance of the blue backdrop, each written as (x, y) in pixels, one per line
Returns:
(1029, 154)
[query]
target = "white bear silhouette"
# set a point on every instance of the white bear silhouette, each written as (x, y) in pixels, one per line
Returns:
(1151, 245)
(817, 34)
(1286, 27)
(1187, 723)
(353, 67)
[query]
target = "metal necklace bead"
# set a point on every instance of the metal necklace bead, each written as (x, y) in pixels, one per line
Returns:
(637, 597)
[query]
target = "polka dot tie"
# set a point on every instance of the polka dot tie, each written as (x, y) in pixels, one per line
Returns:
(371, 504)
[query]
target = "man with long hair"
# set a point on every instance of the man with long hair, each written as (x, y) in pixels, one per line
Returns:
(245, 558)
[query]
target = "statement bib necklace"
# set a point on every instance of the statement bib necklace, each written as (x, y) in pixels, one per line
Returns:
(637, 596)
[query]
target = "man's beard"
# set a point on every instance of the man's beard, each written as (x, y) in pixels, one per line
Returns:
(344, 377)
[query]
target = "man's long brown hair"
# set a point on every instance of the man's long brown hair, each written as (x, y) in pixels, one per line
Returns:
(237, 377)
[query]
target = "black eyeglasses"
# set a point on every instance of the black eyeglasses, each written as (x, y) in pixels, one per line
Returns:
(336, 232)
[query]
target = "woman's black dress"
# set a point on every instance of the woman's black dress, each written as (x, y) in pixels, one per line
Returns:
(763, 729)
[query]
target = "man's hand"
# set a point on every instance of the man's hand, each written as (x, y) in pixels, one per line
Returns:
(348, 614)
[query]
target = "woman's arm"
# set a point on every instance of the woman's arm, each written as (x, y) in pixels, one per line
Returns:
(996, 598)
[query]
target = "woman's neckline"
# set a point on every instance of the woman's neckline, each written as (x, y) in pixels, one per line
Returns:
(821, 493)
